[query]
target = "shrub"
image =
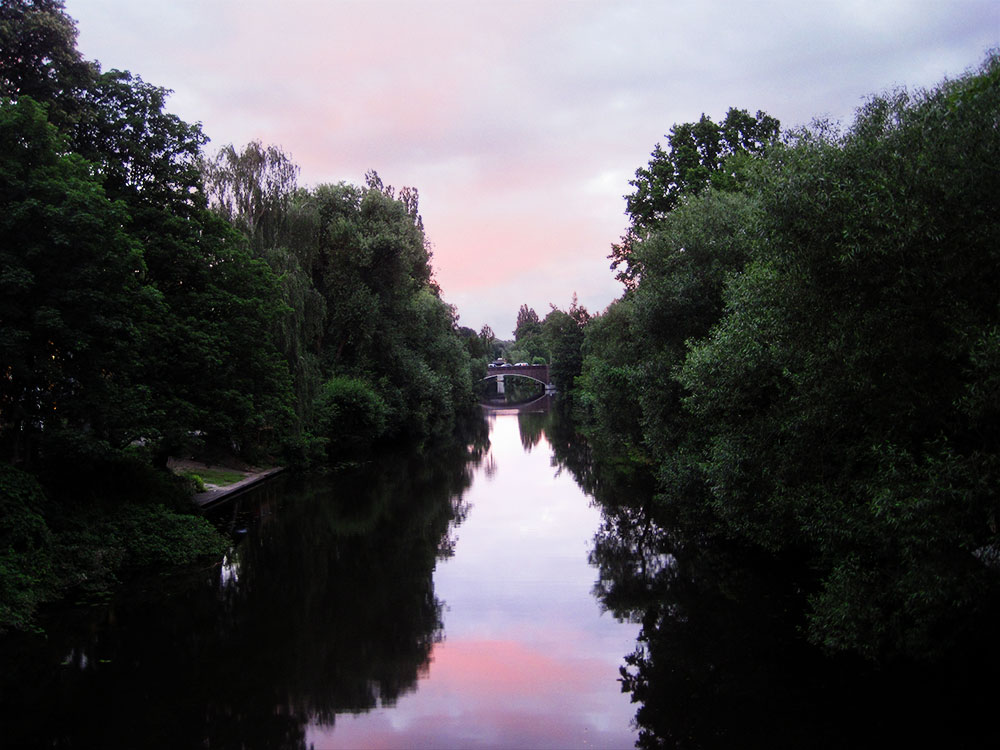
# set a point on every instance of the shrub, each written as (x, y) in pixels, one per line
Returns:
(25, 562)
(350, 414)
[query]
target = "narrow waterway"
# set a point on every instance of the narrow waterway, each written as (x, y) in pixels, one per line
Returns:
(436, 600)
(526, 658)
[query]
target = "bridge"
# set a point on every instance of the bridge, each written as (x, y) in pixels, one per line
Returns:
(538, 373)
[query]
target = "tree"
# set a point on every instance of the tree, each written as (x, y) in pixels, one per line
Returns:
(143, 152)
(252, 188)
(528, 323)
(255, 190)
(386, 323)
(848, 394)
(71, 305)
(701, 155)
(564, 334)
(487, 335)
(610, 380)
(39, 59)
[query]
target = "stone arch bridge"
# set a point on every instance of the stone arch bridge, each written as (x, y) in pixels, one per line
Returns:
(538, 373)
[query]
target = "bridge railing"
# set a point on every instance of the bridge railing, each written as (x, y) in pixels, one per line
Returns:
(535, 372)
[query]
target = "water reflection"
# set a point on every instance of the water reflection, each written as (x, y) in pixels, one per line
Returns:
(720, 661)
(526, 660)
(326, 606)
(438, 600)
(445, 600)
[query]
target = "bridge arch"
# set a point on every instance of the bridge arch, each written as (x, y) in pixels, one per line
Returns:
(538, 373)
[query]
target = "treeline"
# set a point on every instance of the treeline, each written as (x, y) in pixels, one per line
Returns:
(807, 356)
(157, 301)
(553, 340)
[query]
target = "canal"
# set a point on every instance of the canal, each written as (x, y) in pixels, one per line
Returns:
(444, 599)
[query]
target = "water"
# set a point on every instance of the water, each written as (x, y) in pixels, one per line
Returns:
(526, 658)
(456, 599)
(442, 600)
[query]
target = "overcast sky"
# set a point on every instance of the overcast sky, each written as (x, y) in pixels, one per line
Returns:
(519, 121)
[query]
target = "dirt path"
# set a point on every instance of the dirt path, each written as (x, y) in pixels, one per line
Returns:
(215, 493)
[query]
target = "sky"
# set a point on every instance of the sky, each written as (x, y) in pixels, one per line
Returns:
(520, 122)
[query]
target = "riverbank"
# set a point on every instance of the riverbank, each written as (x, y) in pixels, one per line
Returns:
(215, 493)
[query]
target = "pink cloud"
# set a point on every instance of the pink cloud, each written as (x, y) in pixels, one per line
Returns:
(520, 123)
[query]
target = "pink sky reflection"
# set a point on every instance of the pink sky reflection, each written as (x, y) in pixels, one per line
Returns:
(528, 659)
(492, 694)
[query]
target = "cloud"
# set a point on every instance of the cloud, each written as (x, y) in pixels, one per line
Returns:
(520, 122)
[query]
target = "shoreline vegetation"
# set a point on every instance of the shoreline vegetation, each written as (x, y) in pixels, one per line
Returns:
(803, 368)
(804, 361)
(157, 300)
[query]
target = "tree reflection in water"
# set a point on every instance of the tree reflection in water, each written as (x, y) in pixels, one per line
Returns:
(326, 606)
(720, 661)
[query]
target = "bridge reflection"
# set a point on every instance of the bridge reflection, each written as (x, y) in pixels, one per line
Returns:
(541, 404)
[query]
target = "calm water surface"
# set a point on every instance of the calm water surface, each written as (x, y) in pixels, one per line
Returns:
(440, 600)
(445, 600)
(526, 660)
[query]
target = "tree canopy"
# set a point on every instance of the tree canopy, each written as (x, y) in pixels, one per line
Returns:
(156, 301)
(813, 351)
(700, 155)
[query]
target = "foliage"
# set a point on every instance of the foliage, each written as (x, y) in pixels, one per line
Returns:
(155, 302)
(155, 537)
(528, 323)
(47, 548)
(71, 298)
(217, 477)
(26, 575)
(350, 414)
(847, 350)
(563, 334)
(39, 59)
(702, 155)
(813, 357)
(195, 479)
(610, 380)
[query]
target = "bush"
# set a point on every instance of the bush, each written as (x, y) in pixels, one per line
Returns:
(25, 562)
(350, 414)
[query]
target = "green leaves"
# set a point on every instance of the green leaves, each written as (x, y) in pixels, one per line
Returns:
(702, 155)
(71, 290)
(820, 349)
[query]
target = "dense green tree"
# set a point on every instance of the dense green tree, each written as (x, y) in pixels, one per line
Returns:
(141, 150)
(386, 322)
(255, 189)
(563, 333)
(813, 357)
(490, 343)
(71, 303)
(610, 379)
(39, 59)
(157, 303)
(528, 323)
(631, 353)
(844, 391)
(26, 565)
(701, 155)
